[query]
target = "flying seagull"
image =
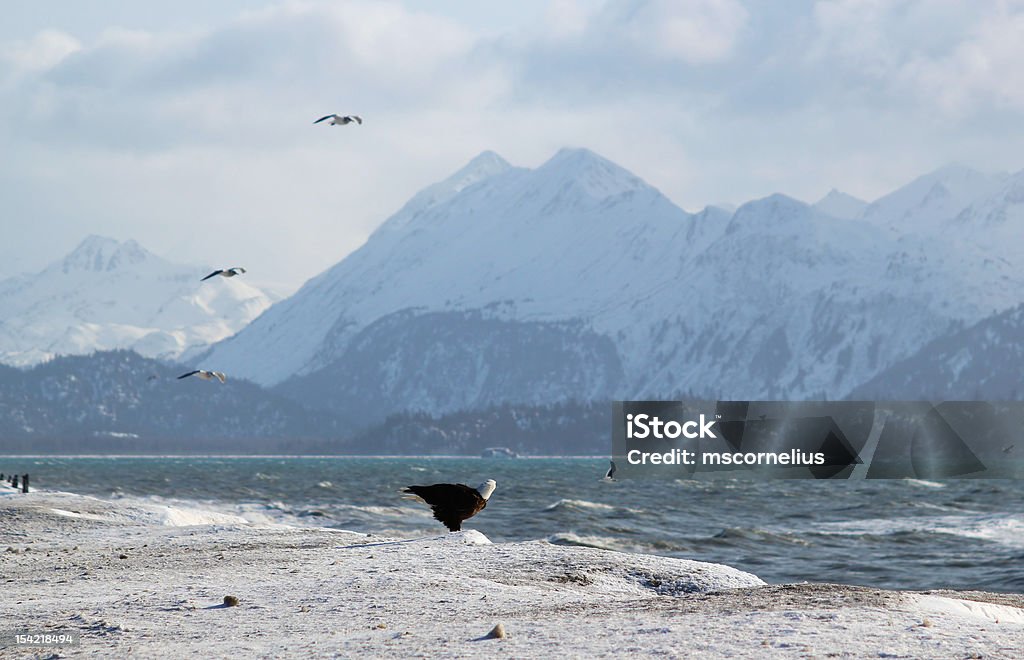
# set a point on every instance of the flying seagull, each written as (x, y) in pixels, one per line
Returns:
(341, 120)
(453, 503)
(225, 272)
(610, 475)
(205, 375)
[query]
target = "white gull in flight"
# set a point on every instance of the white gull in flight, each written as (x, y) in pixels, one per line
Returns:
(205, 375)
(225, 272)
(340, 120)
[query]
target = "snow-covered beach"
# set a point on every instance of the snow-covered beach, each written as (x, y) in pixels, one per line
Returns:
(149, 580)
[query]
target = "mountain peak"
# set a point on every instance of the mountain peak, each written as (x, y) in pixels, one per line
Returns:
(957, 178)
(592, 173)
(487, 161)
(94, 242)
(579, 158)
(841, 205)
(835, 193)
(100, 254)
(771, 213)
(92, 254)
(933, 198)
(953, 170)
(483, 166)
(774, 202)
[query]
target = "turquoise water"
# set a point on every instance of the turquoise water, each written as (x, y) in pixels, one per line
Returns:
(896, 534)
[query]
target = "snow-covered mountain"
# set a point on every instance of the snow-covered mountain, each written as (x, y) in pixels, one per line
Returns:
(577, 280)
(933, 199)
(996, 221)
(528, 245)
(107, 294)
(984, 361)
(841, 205)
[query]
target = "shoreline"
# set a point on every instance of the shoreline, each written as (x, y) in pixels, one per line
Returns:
(234, 456)
(137, 580)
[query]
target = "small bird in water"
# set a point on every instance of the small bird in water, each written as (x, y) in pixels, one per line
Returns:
(453, 503)
(340, 120)
(225, 272)
(205, 375)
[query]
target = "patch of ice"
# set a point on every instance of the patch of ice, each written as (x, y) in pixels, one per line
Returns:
(75, 514)
(568, 538)
(970, 608)
(174, 516)
(465, 537)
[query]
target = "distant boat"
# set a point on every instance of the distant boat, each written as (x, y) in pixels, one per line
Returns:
(498, 452)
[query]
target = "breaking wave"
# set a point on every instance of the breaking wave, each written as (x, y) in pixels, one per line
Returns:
(1006, 530)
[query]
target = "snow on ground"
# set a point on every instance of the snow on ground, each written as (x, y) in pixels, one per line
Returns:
(137, 581)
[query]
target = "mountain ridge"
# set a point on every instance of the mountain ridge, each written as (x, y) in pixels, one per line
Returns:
(777, 299)
(108, 294)
(577, 281)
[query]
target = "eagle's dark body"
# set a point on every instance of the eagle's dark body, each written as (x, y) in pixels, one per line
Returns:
(451, 503)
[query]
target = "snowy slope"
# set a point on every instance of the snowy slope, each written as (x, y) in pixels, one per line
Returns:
(778, 299)
(107, 294)
(995, 221)
(930, 200)
(535, 243)
(790, 303)
(981, 362)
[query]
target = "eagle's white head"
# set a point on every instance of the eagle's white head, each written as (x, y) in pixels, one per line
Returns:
(486, 488)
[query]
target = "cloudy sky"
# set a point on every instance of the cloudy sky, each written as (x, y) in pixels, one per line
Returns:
(190, 130)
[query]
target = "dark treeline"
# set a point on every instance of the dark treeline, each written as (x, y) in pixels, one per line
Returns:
(563, 429)
(118, 402)
(570, 428)
(160, 446)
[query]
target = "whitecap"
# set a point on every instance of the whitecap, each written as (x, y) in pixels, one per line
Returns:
(1004, 529)
(925, 483)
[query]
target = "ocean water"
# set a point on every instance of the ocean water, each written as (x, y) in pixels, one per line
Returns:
(908, 534)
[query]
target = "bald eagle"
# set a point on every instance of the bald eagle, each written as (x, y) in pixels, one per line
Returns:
(453, 503)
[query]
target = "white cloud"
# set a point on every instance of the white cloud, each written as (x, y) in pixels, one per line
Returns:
(566, 19)
(42, 51)
(693, 31)
(203, 141)
(200, 137)
(953, 57)
(982, 70)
